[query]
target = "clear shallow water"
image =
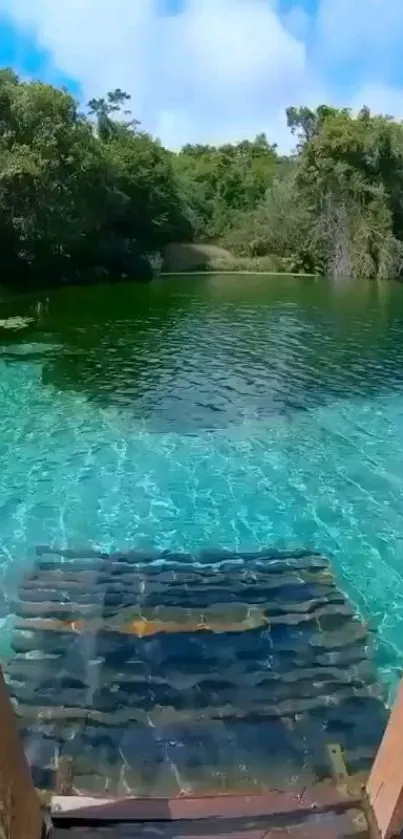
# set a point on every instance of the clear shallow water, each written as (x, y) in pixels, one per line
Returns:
(227, 412)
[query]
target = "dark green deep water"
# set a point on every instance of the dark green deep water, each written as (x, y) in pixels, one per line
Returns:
(225, 411)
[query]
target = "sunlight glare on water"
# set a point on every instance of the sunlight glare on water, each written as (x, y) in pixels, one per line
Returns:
(217, 412)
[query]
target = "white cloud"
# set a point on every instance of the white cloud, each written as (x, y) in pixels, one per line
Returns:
(298, 22)
(380, 98)
(221, 69)
(363, 38)
(369, 29)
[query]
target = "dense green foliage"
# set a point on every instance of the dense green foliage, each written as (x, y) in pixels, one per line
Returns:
(86, 197)
(79, 199)
(338, 209)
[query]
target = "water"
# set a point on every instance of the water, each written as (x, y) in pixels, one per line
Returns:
(234, 412)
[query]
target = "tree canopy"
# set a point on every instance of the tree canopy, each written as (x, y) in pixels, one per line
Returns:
(92, 196)
(337, 206)
(82, 197)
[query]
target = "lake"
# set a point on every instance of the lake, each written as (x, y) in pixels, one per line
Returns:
(218, 411)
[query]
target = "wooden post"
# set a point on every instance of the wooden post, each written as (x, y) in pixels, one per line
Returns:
(385, 783)
(20, 813)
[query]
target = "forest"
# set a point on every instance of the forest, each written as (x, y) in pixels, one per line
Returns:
(89, 196)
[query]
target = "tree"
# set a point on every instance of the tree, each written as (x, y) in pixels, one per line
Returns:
(307, 124)
(78, 204)
(219, 182)
(280, 225)
(104, 109)
(351, 173)
(85, 197)
(152, 209)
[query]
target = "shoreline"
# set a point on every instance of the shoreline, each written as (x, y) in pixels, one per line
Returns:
(235, 273)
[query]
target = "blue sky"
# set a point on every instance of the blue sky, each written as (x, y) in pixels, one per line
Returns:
(212, 70)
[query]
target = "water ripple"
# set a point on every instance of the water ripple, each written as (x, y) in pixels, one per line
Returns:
(209, 418)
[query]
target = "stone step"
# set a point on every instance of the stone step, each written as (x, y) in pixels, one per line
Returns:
(55, 668)
(147, 694)
(283, 587)
(204, 559)
(200, 757)
(49, 603)
(232, 666)
(141, 621)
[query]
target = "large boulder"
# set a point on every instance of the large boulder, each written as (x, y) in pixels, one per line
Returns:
(189, 256)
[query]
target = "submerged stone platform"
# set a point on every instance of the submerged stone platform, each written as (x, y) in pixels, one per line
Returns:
(169, 674)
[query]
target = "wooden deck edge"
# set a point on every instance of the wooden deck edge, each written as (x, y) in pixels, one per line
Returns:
(20, 813)
(319, 799)
(349, 825)
(385, 783)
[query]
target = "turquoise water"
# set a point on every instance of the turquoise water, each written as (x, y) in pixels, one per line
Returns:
(227, 412)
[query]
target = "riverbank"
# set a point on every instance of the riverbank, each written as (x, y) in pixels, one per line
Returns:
(236, 273)
(213, 258)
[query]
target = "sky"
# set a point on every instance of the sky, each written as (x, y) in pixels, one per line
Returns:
(213, 70)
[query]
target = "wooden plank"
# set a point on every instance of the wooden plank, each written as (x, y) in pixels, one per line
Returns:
(319, 798)
(338, 766)
(329, 826)
(64, 775)
(385, 783)
(20, 814)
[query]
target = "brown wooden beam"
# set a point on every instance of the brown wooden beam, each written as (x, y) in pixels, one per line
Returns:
(385, 783)
(20, 813)
(320, 798)
(349, 825)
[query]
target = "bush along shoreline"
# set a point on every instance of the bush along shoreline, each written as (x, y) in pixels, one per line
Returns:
(90, 197)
